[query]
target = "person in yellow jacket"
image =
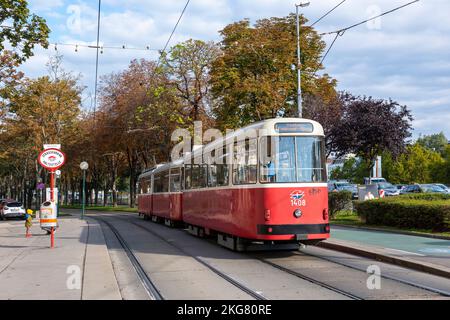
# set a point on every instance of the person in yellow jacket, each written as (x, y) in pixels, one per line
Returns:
(28, 222)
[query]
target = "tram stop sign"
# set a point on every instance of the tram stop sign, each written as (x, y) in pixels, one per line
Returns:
(52, 159)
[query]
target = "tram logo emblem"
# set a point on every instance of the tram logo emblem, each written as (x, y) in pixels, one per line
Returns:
(297, 198)
(297, 195)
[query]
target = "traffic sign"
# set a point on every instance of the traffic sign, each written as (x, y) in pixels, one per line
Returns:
(52, 159)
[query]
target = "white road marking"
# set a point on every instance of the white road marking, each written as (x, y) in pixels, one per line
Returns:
(407, 252)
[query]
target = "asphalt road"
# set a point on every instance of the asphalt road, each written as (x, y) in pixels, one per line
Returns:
(182, 266)
(170, 259)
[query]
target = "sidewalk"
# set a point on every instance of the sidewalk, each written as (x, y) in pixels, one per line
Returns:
(30, 270)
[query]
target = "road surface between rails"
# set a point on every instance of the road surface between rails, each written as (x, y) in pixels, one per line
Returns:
(115, 252)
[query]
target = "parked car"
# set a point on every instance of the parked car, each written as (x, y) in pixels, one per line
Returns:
(389, 189)
(343, 186)
(443, 187)
(422, 188)
(374, 180)
(12, 209)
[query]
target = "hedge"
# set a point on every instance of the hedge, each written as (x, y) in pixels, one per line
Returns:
(406, 212)
(425, 196)
(338, 201)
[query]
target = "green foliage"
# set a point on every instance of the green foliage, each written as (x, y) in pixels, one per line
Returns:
(254, 78)
(425, 196)
(352, 170)
(406, 213)
(436, 142)
(417, 165)
(338, 201)
(21, 29)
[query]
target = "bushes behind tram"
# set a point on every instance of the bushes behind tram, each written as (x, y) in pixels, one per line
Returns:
(421, 211)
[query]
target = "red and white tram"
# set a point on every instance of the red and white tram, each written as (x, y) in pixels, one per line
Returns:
(264, 184)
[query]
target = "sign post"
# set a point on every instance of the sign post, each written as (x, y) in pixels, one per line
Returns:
(51, 159)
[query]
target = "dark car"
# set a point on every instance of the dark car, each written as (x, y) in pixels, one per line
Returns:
(422, 188)
(343, 186)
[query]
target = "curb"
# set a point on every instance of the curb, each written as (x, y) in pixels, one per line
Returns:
(406, 233)
(377, 255)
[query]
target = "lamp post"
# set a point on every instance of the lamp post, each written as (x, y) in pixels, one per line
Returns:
(299, 63)
(84, 166)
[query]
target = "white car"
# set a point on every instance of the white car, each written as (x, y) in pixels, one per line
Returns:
(12, 210)
(443, 187)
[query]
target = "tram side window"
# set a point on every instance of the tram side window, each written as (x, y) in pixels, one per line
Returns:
(218, 175)
(199, 176)
(245, 162)
(144, 185)
(157, 184)
(175, 180)
(188, 176)
(165, 181)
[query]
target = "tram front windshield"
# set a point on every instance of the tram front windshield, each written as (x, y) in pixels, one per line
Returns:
(292, 159)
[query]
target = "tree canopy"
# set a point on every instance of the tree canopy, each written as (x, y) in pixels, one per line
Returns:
(255, 78)
(21, 29)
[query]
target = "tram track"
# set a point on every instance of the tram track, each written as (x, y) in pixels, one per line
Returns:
(406, 282)
(309, 279)
(221, 274)
(302, 276)
(147, 283)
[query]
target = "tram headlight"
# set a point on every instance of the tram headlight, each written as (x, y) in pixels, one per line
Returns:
(297, 213)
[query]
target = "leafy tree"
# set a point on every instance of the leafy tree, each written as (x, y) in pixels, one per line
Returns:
(254, 78)
(138, 113)
(188, 65)
(352, 170)
(9, 79)
(42, 110)
(21, 29)
(328, 112)
(416, 165)
(436, 142)
(369, 127)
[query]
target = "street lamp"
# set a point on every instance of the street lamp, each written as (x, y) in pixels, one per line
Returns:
(84, 166)
(299, 79)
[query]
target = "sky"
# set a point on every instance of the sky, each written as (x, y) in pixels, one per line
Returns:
(404, 56)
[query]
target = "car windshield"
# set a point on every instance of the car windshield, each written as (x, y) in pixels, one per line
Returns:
(13, 204)
(292, 159)
(385, 185)
(346, 186)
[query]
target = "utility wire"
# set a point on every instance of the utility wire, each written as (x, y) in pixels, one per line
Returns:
(174, 29)
(341, 32)
(370, 19)
(101, 47)
(326, 14)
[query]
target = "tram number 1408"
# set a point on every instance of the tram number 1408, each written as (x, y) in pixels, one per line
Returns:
(298, 202)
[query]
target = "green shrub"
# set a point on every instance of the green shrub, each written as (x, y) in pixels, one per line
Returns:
(338, 201)
(425, 196)
(405, 212)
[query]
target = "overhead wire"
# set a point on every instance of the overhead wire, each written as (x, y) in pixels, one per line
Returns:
(326, 14)
(341, 32)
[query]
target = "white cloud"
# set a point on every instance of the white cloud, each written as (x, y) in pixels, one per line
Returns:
(406, 59)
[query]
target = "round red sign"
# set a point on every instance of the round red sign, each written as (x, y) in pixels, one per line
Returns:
(52, 159)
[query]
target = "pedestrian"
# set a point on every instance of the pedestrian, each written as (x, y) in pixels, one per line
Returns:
(28, 222)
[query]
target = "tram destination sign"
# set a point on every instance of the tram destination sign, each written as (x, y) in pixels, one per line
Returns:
(52, 159)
